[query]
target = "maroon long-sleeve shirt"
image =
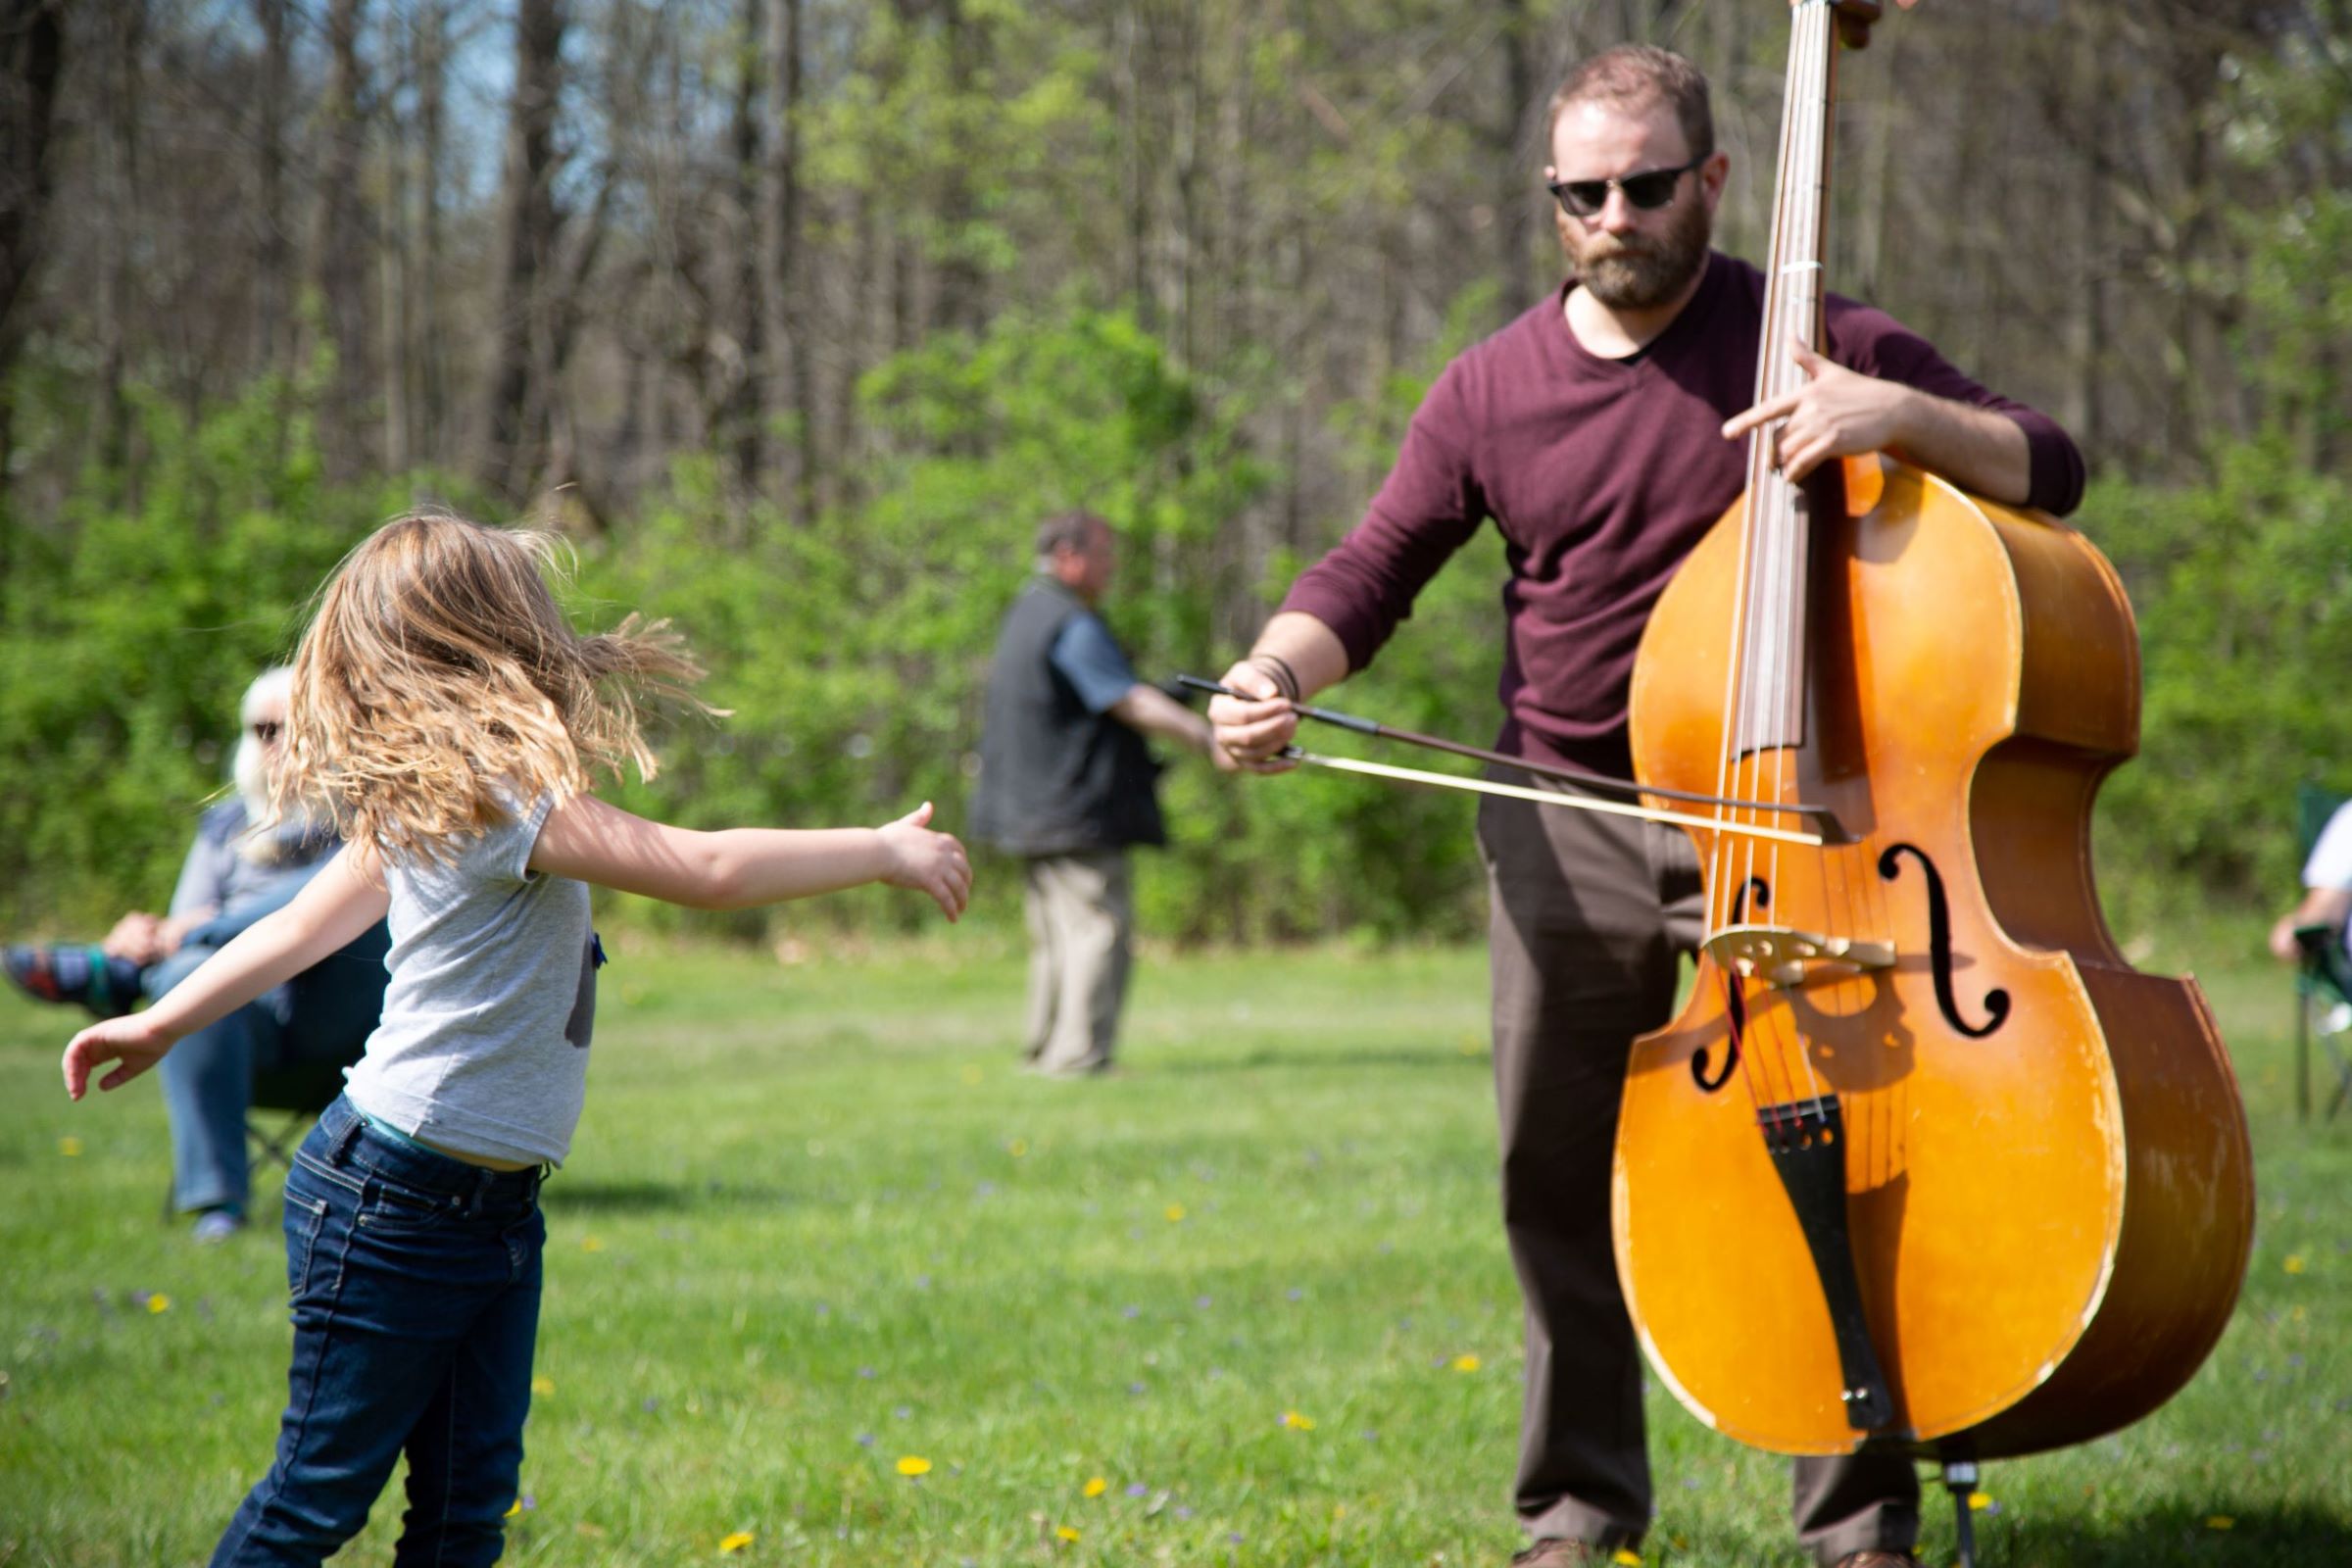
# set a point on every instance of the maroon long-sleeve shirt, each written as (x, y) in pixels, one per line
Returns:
(1603, 475)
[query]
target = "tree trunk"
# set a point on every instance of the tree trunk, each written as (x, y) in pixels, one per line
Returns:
(427, 315)
(274, 254)
(958, 300)
(338, 274)
(1514, 210)
(513, 459)
(125, 27)
(789, 279)
(32, 57)
(744, 410)
(392, 262)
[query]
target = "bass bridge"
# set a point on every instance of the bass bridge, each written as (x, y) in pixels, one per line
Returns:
(1786, 959)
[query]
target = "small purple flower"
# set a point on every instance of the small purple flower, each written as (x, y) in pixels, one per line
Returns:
(1136, 1489)
(1295, 1293)
(866, 1371)
(1135, 1388)
(649, 1404)
(1204, 1302)
(865, 1440)
(1131, 1311)
(1183, 1511)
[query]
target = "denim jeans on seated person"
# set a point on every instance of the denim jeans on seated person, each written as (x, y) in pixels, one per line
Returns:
(324, 1015)
(415, 1280)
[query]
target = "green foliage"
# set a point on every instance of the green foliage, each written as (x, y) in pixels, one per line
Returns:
(2244, 592)
(853, 649)
(2289, 127)
(127, 633)
(853, 653)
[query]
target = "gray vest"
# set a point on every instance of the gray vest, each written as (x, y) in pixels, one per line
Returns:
(1055, 779)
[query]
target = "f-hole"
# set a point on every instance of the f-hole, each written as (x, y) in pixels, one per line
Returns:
(1755, 893)
(1939, 945)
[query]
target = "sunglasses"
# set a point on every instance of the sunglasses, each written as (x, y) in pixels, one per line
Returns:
(266, 730)
(1649, 191)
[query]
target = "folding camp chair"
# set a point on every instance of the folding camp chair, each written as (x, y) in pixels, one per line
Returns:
(300, 1092)
(2322, 977)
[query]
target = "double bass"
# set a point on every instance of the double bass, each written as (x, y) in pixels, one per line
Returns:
(1923, 1165)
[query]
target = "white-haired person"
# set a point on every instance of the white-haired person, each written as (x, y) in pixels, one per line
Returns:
(240, 867)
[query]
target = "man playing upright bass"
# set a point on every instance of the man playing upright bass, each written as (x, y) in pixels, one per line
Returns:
(1603, 434)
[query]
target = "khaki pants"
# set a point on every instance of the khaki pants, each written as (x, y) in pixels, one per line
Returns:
(1081, 913)
(1590, 917)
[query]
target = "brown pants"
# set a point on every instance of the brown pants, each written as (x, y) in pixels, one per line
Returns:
(1081, 915)
(1590, 917)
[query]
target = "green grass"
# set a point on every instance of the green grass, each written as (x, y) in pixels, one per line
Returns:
(815, 1223)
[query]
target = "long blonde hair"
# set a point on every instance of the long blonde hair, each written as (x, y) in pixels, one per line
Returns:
(439, 680)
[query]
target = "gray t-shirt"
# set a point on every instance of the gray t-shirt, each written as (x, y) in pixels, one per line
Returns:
(484, 1045)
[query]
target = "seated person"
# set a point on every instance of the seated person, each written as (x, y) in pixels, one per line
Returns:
(234, 874)
(2327, 887)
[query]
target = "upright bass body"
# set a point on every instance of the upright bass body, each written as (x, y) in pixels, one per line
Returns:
(2043, 1160)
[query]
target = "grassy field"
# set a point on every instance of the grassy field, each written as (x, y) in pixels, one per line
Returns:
(1246, 1305)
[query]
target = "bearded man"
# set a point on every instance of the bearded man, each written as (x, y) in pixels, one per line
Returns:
(242, 865)
(1600, 432)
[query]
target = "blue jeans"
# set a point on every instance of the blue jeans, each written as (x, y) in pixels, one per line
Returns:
(324, 1016)
(415, 1286)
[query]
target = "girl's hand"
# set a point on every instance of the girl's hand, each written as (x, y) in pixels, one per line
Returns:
(132, 1041)
(927, 861)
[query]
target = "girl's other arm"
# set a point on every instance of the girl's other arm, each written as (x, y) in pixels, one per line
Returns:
(333, 908)
(734, 868)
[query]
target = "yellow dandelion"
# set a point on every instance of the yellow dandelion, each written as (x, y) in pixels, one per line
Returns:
(915, 1464)
(1466, 1364)
(2294, 1262)
(2295, 1316)
(70, 1147)
(159, 1303)
(736, 1542)
(543, 1385)
(1626, 1555)
(2218, 1521)
(1017, 1148)
(971, 1075)
(592, 1243)
(1065, 1533)
(1096, 1486)
(514, 1507)
(1979, 1501)
(1175, 1213)
(1292, 1418)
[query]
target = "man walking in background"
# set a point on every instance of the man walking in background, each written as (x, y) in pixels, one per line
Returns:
(1066, 783)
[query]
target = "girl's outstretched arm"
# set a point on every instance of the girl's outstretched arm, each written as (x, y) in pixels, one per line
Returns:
(333, 908)
(734, 868)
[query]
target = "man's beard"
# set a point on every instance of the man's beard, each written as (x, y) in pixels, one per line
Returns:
(267, 840)
(1640, 273)
(250, 770)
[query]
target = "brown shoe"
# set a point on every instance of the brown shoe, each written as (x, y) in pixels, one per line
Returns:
(1878, 1557)
(1553, 1551)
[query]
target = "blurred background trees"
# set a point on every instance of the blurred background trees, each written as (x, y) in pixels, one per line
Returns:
(795, 314)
